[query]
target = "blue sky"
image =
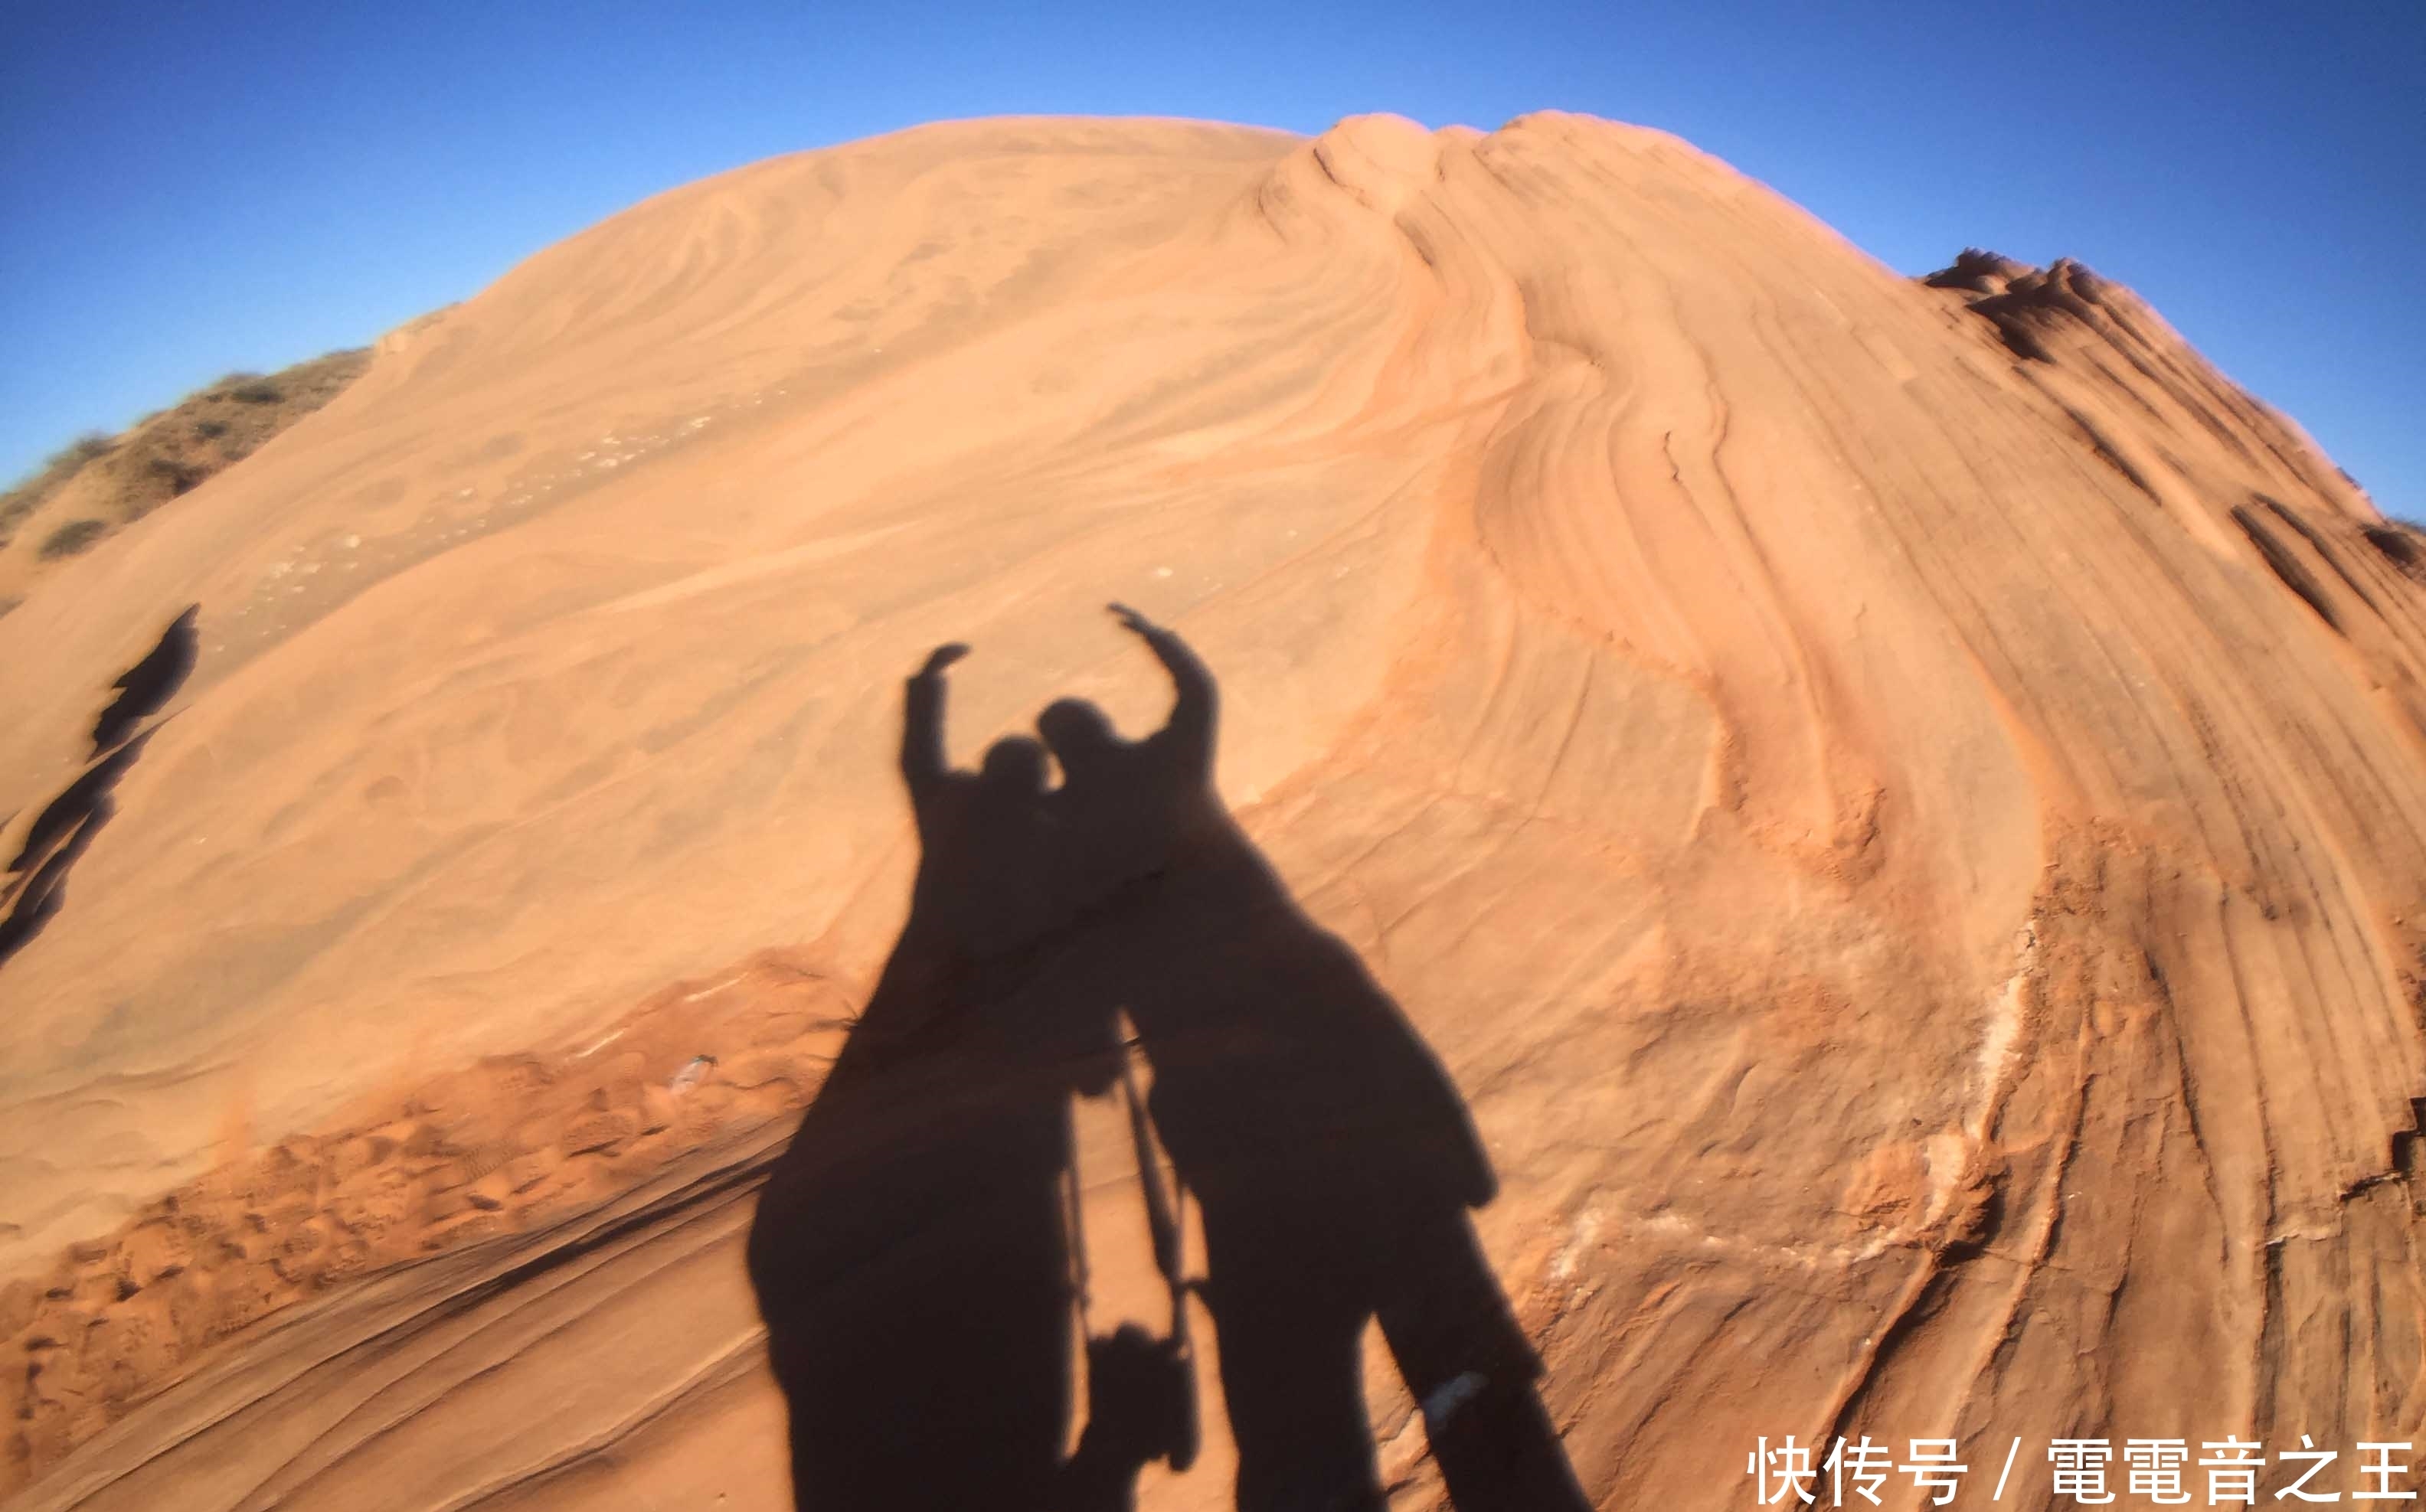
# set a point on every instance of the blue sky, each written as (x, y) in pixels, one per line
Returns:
(187, 190)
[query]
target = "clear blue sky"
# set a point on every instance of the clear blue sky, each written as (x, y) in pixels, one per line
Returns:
(185, 190)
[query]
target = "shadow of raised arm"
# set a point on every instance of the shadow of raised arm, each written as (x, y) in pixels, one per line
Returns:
(923, 766)
(1189, 730)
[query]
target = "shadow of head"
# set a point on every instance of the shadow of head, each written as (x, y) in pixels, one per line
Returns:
(1079, 735)
(1013, 765)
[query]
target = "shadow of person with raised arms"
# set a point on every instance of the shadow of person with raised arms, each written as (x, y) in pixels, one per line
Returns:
(1330, 1157)
(910, 1252)
(914, 1251)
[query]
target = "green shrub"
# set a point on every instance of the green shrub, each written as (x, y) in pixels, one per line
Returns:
(83, 450)
(73, 538)
(181, 475)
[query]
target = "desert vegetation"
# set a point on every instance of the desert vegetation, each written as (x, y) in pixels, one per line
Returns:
(118, 479)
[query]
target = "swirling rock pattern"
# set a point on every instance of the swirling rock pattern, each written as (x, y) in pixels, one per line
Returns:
(1899, 803)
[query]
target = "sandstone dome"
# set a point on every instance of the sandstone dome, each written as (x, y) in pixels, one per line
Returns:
(1899, 804)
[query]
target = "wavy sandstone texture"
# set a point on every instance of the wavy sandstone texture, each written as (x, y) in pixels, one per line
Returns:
(1900, 806)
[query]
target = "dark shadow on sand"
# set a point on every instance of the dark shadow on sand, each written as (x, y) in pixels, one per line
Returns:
(36, 876)
(912, 1252)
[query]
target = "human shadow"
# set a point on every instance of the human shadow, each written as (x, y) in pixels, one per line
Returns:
(912, 1253)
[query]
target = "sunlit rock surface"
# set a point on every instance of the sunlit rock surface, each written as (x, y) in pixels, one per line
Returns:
(1898, 804)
